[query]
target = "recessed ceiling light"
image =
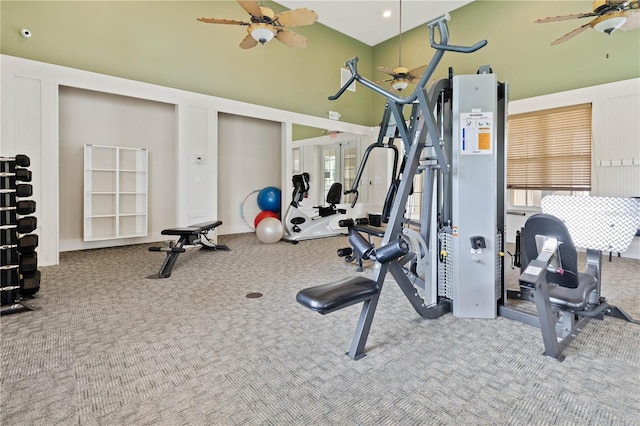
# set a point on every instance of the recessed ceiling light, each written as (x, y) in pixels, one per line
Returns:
(386, 13)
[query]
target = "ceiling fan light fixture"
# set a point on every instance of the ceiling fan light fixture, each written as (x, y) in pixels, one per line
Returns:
(262, 33)
(609, 23)
(399, 84)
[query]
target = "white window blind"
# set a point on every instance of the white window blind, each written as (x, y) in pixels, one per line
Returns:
(550, 149)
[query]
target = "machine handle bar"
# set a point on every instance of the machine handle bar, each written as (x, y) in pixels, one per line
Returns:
(441, 47)
(355, 199)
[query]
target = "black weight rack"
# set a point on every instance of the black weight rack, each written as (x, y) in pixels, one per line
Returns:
(19, 274)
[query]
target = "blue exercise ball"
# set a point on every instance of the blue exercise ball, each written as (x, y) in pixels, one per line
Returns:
(269, 199)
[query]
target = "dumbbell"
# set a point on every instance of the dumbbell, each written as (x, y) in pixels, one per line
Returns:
(24, 225)
(8, 214)
(20, 190)
(30, 283)
(19, 174)
(27, 244)
(22, 207)
(20, 160)
(27, 224)
(28, 263)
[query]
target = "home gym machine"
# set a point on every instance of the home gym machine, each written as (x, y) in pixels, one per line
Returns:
(450, 260)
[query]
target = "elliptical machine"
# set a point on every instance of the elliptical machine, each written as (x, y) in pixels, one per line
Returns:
(299, 226)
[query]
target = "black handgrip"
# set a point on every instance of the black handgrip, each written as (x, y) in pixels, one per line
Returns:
(441, 23)
(460, 49)
(355, 199)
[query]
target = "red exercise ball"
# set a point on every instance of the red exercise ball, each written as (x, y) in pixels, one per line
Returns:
(263, 215)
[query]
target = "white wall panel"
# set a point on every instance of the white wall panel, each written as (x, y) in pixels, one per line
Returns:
(250, 156)
(199, 186)
(617, 147)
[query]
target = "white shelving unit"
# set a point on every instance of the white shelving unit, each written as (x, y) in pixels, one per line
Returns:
(115, 192)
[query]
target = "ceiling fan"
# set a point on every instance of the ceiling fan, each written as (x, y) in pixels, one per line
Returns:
(610, 15)
(401, 76)
(265, 25)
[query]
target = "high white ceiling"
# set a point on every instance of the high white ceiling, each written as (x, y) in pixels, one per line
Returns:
(363, 20)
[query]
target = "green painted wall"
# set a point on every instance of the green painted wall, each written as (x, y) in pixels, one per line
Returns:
(519, 50)
(161, 42)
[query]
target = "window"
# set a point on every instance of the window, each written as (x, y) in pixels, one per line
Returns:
(296, 156)
(340, 164)
(549, 152)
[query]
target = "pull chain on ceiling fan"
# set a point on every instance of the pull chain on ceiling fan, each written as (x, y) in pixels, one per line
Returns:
(401, 76)
(265, 25)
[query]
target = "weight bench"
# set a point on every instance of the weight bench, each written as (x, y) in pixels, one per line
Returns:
(188, 236)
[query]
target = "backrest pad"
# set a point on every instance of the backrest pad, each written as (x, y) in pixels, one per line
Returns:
(551, 226)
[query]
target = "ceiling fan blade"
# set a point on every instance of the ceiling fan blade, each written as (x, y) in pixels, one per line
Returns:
(417, 72)
(564, 17)
(387, 71)
(297, 17)
(389, 80)
(291, 39)
(248, 42)
(633, 22)
(251, 6)
(570, 35)
(634, 4)
(222, 21)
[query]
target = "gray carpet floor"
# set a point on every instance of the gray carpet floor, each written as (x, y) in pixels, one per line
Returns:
(112, 347)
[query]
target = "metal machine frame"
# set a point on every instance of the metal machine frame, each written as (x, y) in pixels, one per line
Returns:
(427, 140)
(451, 260)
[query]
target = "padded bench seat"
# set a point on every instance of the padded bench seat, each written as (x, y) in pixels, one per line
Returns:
(196, 229)
(573, 299)
(331, 297)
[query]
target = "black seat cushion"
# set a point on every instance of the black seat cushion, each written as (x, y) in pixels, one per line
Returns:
(335, 193)
(573, 299)
(195, 229)
(333, 296)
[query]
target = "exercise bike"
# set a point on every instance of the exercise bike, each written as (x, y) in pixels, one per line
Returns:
(299, 226)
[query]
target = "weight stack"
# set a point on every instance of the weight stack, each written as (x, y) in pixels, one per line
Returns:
(19, 275)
